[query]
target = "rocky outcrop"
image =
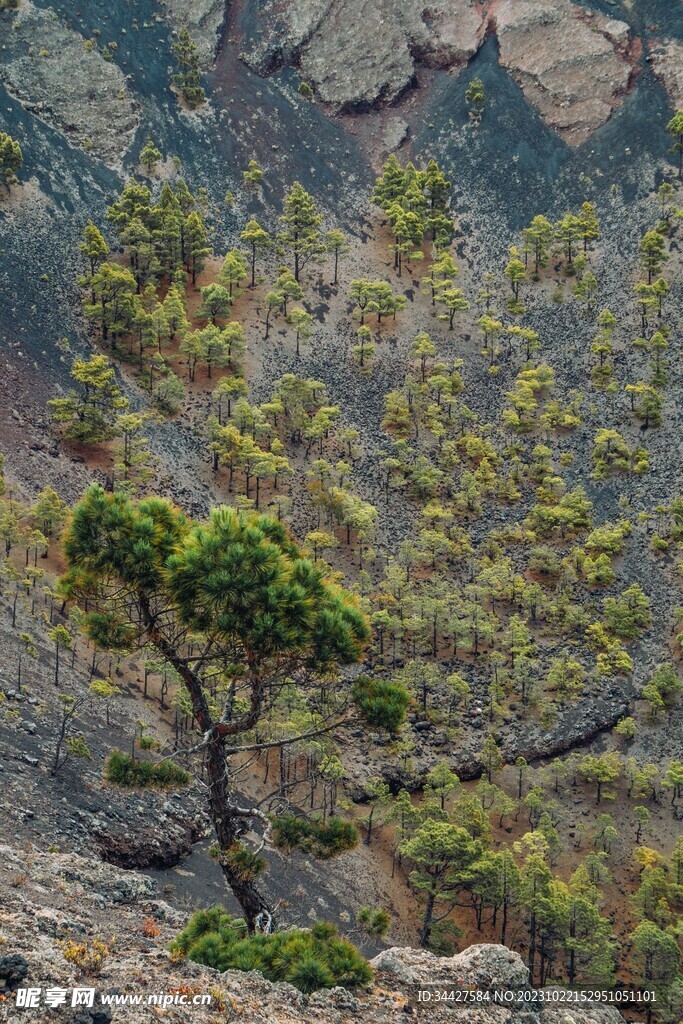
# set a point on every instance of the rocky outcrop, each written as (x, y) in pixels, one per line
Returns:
(483, 966)
(574, 66)
(49, 900)
(203, 19)
(357, 53)
(49, 69)
(489, 968)
(150, 847)
(667, 64)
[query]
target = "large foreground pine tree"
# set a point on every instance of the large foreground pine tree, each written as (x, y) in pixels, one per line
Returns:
(236, 609)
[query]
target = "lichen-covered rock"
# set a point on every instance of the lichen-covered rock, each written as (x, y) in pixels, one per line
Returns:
(49, 69)
(354, 69)
(203, 19)
(483, 966)
(667, 64)
(573, 65)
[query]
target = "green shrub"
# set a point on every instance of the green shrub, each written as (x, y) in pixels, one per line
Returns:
(373, 921)
(322, 840)
(123, 770)
(309, 960)
(382, 703)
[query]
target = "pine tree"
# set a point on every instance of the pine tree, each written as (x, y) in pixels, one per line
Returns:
(335, 243)
(215, 303)
(49, 512)
(601, 771)
(196, 245)
(491, 757)
(62, 639)
(390, 186)
(441, 854)
(191, 348)
(287, 286)
(475, 97)
(258, 240)
(175, 309)
(535, 888)
(301, 234)
(589, 224)
(214, 349)
(652, 253)
(567, 234)
(11, 159)
(442, 273)
(301, 321)
(93, 246)
(90, 410)
(187, 80)
(657, 960)
(536, 240)
(112, 288)
(423, 348)
(230, 388)
(365, 349)
(378, 797)
(150, 156)
(441, 782)
(253, 176)
(130, 560)
(233, 272)
(132, 457)
(454, 301)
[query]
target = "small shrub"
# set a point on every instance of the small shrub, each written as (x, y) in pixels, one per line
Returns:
(150, 929)
(308, 959)
(244, 863)
(322, 840)
(89, 958)
(373, 921)
(122, 770)
(381, 703)
(148, 743)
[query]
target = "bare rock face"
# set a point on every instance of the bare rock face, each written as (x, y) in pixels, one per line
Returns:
(150, 848)
(572, 65)
(574, 68)
(484, 965)
(667, 64)
(46, 66)
(487, 967)
(203, 19)
(357, 53)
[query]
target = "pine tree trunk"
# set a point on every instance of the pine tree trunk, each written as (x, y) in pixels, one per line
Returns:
(257, 910)
(426, 929)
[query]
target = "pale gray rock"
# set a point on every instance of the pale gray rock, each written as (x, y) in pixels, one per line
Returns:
(482, 965)
(667, 64)
(48, 68)
(204, 21)
(573, 65)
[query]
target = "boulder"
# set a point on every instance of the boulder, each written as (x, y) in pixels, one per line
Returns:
(47, 67)
(484, 965)
(13, 970)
